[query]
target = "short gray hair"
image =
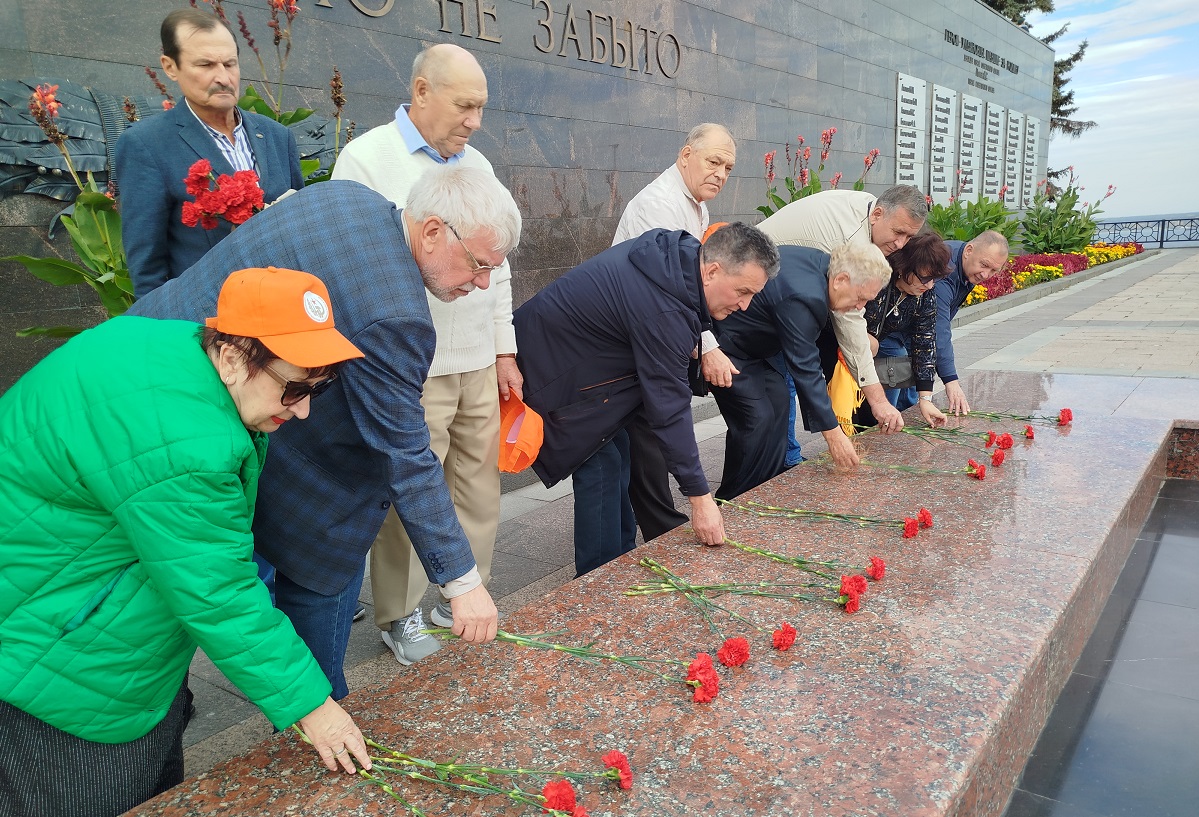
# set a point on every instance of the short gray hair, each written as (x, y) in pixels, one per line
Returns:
(989, 239)
(906, 196)
(469, 198)
(707, 133)
(864, 263)
(737, 244)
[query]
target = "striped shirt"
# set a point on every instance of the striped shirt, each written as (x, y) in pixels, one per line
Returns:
(238, 152)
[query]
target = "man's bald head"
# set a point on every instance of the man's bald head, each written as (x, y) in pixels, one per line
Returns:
(449, 91)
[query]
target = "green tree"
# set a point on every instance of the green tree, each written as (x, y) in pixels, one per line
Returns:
(1062, 108)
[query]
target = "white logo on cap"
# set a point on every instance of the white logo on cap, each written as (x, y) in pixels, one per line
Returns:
(315, 307)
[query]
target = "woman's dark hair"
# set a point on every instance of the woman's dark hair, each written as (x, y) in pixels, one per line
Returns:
(925, 254)
(254, 351)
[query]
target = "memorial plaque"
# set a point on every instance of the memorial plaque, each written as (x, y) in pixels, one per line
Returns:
(943, 144)
(1013, 167)
(993, 149)
(970, 162)
(911, 130)
(1032, 147)
(973, 114)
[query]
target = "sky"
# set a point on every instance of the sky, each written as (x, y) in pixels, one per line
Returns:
(1140, 81)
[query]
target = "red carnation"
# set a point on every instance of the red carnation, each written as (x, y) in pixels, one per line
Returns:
(706, 682)
(976, 470)
(1005, 441)
(559, 796)
(1065, 417)
(853, 585)
(852, 604)
(1029, 433)
(877, 569)
(734, 652)
(784, 637)
(926, 518)
(997, 457)
(990, 439)
(579, 811)
(910, 526)
(619, 761)
(198, 176)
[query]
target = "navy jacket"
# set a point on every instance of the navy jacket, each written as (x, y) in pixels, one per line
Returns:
(330, 479)
(152, 159)
(788, 315)
(613, 336)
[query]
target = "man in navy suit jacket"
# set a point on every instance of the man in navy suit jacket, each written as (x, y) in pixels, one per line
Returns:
(790, 315)
(330, 480)
(154, 155)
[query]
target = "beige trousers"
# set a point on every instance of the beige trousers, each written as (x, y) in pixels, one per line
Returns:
(463, 413)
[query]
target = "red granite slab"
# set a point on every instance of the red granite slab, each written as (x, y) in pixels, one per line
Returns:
(924, 703)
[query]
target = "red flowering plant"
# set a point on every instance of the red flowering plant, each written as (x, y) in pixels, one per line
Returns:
(734, 652)
(94, 226)
(976, 470)
(997, 457)
(801, 180)
(234, 198)
(908, 526)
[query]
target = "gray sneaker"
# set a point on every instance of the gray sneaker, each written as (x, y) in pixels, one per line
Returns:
(407, 641)
(442, 615)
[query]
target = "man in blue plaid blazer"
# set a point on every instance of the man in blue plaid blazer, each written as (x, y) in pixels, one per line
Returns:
(330, 479)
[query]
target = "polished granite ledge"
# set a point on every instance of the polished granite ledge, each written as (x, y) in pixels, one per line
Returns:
(926, 702)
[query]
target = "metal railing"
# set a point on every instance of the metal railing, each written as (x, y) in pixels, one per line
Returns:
(1161, 232)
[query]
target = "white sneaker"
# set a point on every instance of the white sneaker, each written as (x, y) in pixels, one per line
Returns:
(407, 641)
(442, 615)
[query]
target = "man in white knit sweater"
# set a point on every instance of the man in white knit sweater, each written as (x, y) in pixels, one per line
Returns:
(476, 345)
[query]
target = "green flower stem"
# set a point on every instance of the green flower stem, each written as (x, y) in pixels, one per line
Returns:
(764, 510)
(1002, 415)
(463, 769)
(696, 596)
(473, 784)
(912, 469)
(586, 653)
(797, 561)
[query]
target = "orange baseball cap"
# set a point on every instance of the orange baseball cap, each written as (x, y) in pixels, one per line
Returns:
(521, 433)
(711, 229)
(285, 309)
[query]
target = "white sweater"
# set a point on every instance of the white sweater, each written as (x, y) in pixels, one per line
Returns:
(473, 329)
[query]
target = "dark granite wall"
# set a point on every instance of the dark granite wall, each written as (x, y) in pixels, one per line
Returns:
(573, 138)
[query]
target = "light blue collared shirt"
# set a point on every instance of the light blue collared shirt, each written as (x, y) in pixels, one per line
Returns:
(238, 153)
(414, 141)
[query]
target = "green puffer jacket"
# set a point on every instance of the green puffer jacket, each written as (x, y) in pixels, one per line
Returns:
(127, 486)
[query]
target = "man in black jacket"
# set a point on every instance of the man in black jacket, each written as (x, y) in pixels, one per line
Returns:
(616, 336)
(789, 315)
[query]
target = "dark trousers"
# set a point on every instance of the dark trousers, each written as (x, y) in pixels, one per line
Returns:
(755, 410)
(46, 772)
(649, 483)
(604, 525)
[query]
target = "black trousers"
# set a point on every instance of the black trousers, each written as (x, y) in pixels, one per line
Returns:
(46, 772)
(649, 483)
(756, 412)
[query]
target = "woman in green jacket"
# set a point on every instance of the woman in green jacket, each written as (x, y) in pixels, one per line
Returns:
(129, 464)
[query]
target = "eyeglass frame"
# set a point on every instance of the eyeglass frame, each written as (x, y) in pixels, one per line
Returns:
(305, 388)
(478, 268)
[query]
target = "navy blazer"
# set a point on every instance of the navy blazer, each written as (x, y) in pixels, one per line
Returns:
(330, 479)
(152, 159)
(788, 315)
(613, 336)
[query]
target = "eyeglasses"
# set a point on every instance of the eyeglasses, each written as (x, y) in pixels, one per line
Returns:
(478, 268)
(296, 390)
(926, 279)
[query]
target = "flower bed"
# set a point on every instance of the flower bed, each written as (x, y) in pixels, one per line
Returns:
(1024, 271)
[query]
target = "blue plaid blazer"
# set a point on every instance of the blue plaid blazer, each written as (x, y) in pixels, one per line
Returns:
(330, 479)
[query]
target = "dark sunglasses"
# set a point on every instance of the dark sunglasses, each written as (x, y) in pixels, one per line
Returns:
(296, 390)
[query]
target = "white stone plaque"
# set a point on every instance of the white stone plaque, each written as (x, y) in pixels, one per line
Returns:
(970, 162)
(993, 147)
(1032, 155)
(943, 143)
(911, 130)
(972, 119)
(1013, 166)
